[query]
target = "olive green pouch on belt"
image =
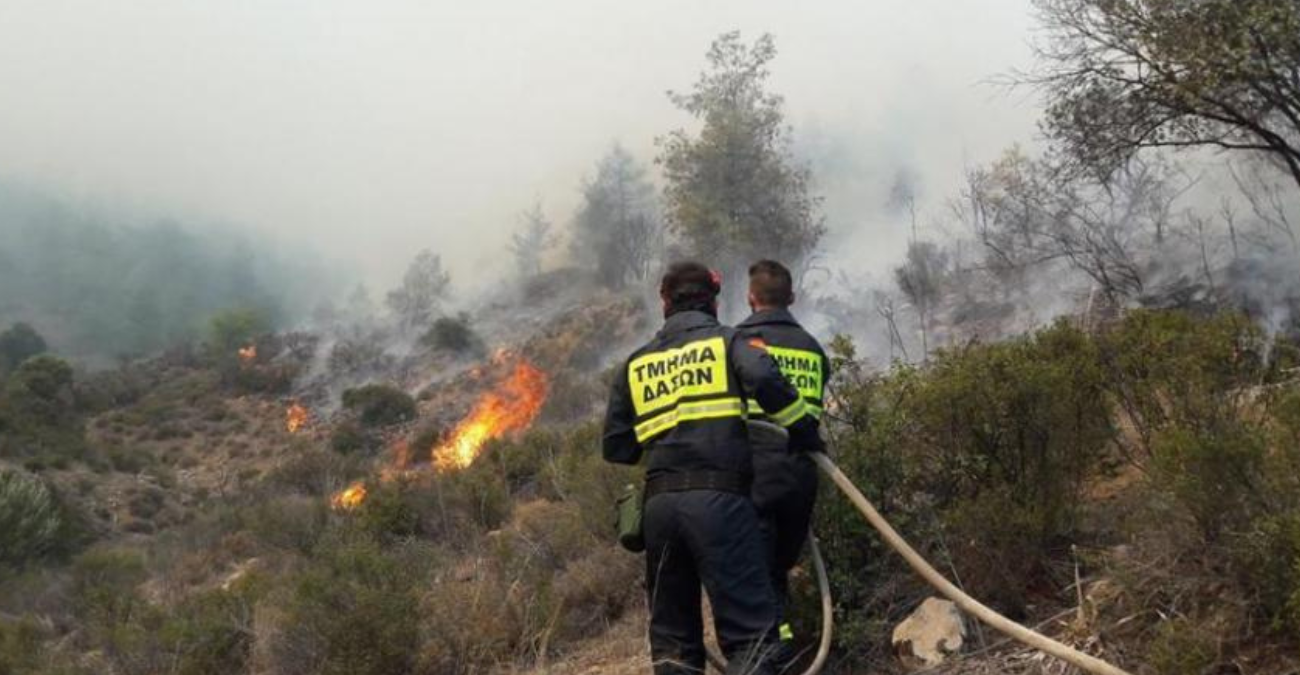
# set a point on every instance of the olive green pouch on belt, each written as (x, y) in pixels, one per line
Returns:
(630, 505)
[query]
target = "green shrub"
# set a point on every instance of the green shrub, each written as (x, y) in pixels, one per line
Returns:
(349, 438)
(388, 512)
(17, 344)
(20, 647)
(452, 334)
(39, 419)
(353, 611)
(1181, 647)
(30, 519)
(207, 632)
(380, 404)
(979, 457)
(1216, 474)
(232, 329)
(314, 472)
(103, 588)
(1168, 368)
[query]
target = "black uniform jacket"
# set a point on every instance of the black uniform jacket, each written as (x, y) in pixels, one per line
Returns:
(800, 357)
(679, 401)
(785, 482)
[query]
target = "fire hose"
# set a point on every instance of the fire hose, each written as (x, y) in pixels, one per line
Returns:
(1016, 631)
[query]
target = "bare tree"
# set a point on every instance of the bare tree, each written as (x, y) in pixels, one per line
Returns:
(1125, 75)
(424, 288)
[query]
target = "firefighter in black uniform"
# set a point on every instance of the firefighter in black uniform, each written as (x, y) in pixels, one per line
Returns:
(785, 479)
(678, 407)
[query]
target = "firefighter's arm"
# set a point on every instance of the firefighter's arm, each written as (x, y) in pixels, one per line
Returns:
(618, 444)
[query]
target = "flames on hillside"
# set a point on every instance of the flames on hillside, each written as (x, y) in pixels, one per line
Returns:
(508, 407)
(295, 418)
(248, 354)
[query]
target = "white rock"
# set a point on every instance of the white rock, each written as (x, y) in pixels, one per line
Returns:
(932, 633)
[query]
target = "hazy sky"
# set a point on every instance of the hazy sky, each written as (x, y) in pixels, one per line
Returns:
(374, 128)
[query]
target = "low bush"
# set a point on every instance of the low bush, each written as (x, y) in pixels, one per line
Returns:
(379, 404)
(452, 334)
(30, 519)
(20, 647)
(352, 611)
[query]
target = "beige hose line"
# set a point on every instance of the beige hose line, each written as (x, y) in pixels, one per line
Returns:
(1085, 662)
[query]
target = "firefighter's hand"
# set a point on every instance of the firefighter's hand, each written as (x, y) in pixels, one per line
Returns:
(805, 436)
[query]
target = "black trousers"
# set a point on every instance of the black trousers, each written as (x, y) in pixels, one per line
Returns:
(785, 492)
(709, 538)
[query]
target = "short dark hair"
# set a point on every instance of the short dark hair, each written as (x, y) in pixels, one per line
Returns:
(688, 283)
(771, 284)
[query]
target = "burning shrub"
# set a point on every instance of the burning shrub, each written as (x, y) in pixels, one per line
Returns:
(380, 404)
(452, 334)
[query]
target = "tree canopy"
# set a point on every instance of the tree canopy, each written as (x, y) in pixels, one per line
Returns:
(734, 191)
(617, 229)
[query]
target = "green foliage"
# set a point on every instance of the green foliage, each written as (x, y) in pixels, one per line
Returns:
(1215, 474)
(1175, 369)
(353, 611)
(379, 404)
(39, 394)
(209, 630)
(618, 231)
(232, 329)
(102, 588)
(981, 457)
(18, 344)
(388, 513)
(349, 438)
(734, 192)
(30, 519)
(20, 647)
(452, 334)
(1181, 647)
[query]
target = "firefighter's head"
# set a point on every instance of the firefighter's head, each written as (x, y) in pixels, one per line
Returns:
(688, 285)
(770, 286)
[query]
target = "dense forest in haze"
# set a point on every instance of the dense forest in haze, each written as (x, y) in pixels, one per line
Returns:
(99, 286)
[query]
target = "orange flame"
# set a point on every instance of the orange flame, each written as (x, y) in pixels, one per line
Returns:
(510, 407)
(248, 354)
(295, 418)
(349, 498)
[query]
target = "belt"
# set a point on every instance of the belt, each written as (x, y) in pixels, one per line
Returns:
(718, 481)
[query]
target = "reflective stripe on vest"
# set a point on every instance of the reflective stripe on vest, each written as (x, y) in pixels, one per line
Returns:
(755, 410)
(695, 410)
